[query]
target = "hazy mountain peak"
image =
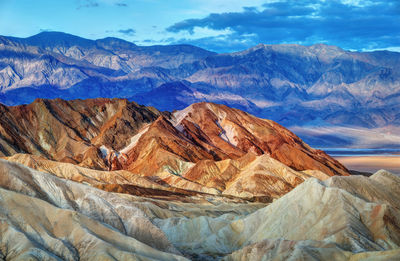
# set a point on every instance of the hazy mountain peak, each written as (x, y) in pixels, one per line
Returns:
(114, 43)
(293, 48)
(327, 50)
(57, 39)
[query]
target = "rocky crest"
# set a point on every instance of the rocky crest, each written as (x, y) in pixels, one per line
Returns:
(205, 148)
(69, 131)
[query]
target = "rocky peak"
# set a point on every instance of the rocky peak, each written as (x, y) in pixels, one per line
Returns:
(58, 39)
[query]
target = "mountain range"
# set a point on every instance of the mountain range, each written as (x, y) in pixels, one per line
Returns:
(294, 85)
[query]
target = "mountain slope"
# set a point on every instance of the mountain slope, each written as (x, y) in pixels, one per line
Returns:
(83, 224)
(327, 220)
(63, 234)
(211, 131)
(48, 218)
(252, 177)
(204, 149)
(69, 130)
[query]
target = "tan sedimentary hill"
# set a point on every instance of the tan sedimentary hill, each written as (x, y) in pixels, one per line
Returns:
(282, 250)
(250, 176)
(108, 208)
(260, 178)
(341, 218)
(33, 229)
(225, 149)
(22, 179)
(121, 181)
(159, 145)
(44, 217)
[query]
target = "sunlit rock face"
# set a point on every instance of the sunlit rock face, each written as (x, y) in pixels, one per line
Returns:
(216, 132)
(205, 148)
(228, 150)
(69, 131)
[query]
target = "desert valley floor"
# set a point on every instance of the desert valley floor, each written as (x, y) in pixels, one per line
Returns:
(371, 163)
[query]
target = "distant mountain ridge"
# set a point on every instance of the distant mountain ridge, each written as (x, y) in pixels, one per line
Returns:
(290, 84)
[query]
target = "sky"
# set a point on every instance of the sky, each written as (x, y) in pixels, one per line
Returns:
(216, 25)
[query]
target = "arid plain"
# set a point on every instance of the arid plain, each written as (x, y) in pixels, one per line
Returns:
(371, 163)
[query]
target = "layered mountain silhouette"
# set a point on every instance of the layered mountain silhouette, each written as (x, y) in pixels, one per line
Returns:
(291, 84)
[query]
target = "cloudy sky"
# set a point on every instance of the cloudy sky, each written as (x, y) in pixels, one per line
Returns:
(218, 25)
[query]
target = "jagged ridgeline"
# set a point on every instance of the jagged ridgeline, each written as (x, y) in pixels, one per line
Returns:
(291, 84)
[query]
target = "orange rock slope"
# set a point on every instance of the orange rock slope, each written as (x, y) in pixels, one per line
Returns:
(217, 132)
(205, 148)
(71, 131)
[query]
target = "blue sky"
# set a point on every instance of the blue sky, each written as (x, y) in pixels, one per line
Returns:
(218, 25)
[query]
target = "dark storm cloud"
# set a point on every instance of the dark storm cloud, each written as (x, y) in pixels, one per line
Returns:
(370, 24)
(129, 32)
